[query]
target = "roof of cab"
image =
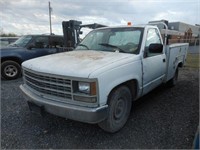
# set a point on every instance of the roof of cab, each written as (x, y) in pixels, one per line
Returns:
(132, 26)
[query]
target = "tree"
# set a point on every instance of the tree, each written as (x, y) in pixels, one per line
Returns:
(2, 34)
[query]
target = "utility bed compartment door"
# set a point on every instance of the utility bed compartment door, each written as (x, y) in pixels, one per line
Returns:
(176, 53)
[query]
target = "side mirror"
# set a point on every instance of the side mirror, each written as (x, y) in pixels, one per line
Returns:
(155, 48)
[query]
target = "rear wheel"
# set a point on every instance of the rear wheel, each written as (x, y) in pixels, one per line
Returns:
(10, 70)
(120, 101)
(174, 80)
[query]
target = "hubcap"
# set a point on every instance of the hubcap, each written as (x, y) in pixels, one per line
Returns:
(119, 109)
(10, 71)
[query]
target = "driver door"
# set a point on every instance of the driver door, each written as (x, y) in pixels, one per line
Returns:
(154, 64)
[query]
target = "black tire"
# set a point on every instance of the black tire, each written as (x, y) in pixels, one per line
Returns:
(172, 82)
(10, 70)
(119, 103)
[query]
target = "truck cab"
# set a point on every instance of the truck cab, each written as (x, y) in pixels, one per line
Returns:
(97, 82)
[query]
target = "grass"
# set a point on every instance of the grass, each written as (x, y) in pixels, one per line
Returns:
(192, 61)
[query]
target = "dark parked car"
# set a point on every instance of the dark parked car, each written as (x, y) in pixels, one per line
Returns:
(27, 47)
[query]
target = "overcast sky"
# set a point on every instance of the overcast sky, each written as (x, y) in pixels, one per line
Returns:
(31, 16)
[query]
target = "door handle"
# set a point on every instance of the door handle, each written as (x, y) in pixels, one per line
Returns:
(164, 60)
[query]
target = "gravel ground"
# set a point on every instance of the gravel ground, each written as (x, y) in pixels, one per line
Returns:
(165, 118)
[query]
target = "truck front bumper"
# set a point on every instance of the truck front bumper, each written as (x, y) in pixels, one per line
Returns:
(78, 113)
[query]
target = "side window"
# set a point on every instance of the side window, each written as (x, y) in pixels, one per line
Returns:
(41, 42)
(152, 38)
(56, 41)
(4, 42)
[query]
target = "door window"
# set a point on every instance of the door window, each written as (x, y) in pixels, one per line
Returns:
(153, 37)
(56, 41)
(41, 42)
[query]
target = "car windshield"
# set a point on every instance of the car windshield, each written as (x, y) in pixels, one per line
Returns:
(125, 40)
(22, 42)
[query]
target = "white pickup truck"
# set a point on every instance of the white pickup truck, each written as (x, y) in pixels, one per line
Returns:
(97, 82)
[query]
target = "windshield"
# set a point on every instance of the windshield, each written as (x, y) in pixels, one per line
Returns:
(126, 40)
(22, 42)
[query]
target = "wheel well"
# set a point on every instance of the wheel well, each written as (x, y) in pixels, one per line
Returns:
(132, 85)
(15, 59)
(180, 64)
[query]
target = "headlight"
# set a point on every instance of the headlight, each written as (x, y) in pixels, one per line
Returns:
(84, 87)
(88, 88)
(85, 91)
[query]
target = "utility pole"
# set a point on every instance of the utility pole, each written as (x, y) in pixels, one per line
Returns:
(50, 9)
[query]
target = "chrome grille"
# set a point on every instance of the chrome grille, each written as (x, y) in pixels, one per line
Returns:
(50, 86)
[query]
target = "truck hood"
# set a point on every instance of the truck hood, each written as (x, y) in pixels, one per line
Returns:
(74, 63)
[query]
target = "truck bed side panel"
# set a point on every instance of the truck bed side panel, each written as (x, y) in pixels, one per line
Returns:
(176, 53)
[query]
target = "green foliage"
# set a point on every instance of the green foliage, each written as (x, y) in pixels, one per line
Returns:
(8, 35)
(192, 61)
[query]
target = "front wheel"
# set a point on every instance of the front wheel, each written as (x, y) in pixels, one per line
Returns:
(119, 102)
(10, 70)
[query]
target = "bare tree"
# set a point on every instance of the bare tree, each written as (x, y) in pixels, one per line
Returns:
(1, 31)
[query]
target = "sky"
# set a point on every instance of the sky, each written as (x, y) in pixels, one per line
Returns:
(32, 16)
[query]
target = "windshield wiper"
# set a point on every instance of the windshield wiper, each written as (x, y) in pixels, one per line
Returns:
(114, 46)
(84, 45)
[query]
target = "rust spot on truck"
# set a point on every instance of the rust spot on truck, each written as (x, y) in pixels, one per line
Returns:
(88, 55)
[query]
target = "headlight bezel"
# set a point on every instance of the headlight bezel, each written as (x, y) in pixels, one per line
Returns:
(88, 91)
(85, 87)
